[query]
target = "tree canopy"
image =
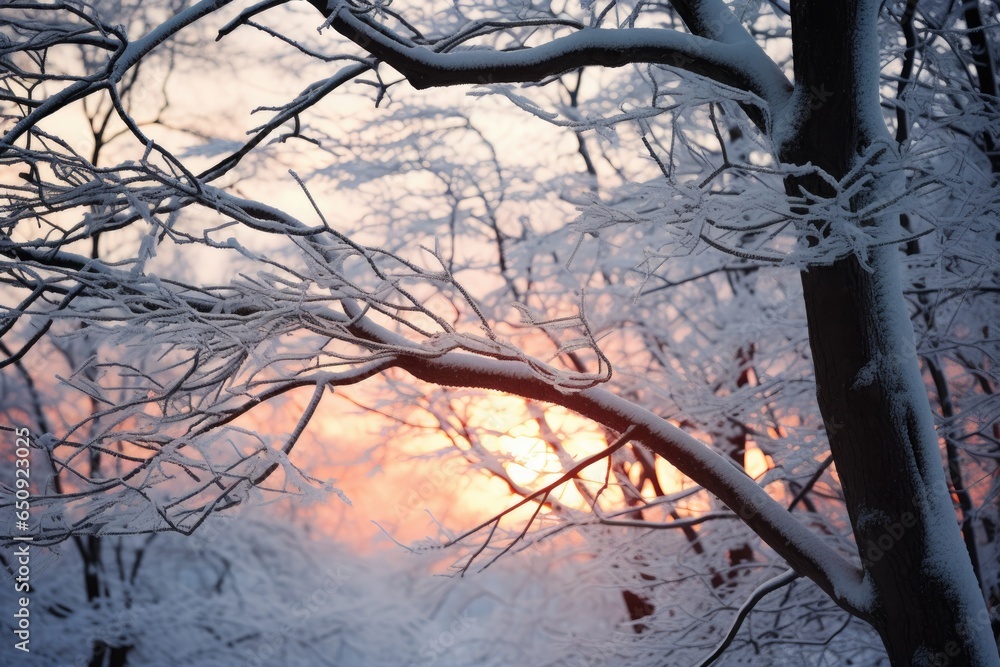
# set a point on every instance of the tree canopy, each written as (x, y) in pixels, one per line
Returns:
(698, 234)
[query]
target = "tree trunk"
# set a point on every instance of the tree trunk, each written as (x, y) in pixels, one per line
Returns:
(926, 603)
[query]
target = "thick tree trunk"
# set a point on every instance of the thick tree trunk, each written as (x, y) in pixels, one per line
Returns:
(926, 604)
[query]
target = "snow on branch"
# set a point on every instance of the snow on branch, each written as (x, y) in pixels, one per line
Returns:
(178, 368)
(738, 63)
(803, 549)
(755, 219)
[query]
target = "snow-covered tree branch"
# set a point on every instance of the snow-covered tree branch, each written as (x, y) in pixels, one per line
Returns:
(713, 239)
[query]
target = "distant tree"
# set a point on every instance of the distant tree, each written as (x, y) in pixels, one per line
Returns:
(878, 133)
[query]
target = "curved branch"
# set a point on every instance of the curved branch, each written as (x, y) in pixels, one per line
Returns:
(768, 586)
(805, 551)
(738, 63)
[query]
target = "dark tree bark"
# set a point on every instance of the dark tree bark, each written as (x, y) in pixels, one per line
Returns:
(927, 607)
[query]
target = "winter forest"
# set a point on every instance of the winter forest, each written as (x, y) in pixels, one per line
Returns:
(460, 333)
